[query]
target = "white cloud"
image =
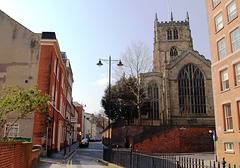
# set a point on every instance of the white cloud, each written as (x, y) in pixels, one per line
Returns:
(103, 81)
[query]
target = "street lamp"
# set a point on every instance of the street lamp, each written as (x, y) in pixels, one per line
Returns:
(109, 61)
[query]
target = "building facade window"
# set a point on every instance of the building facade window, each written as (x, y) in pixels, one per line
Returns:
(175, 34)
(232, 11)
(228, 117)
(169, 34)
(215, 3)
(55, 64)
(225, 81)
(222, 48)
(191, 91)
(238, 108)
(229, 147)
(237, 74)
(52, 93)
(154, 101)
(235, 40)
(14, 132)
(219, 22)
(173, 51)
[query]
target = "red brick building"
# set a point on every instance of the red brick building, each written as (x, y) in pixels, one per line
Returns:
(55, 78)
(80, 109)
(26, 59)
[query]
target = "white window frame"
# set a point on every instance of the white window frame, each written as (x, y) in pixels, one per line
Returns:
(55, 64)
(229, 147)
(232, 11)
(228, 117)
(56, 97)
(238, 107)
(237, 74)
(53, 93)
(225, 80)
(219, 22)
(62, 82)
(215, 3)
(12, 133)
(222, 48)
(235, 39)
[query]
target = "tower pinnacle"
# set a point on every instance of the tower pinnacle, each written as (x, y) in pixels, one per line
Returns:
(187, 18)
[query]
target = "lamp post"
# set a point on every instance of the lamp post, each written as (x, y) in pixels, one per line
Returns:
(109, 61)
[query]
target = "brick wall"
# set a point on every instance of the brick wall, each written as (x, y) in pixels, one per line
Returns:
(178, 140)
(17, 154)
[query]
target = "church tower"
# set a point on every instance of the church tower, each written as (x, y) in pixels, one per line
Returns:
(179, 87)
(170, 40)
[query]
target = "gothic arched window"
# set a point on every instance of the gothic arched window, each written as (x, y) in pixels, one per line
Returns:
(173, 51)
(154, 100)
(191, 91)
(169, 34)
(175, 34)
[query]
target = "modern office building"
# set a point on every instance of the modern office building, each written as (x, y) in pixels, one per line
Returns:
(224, 32)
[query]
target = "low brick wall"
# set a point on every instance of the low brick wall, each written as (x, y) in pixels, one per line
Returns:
(18, 154)
(178, 140)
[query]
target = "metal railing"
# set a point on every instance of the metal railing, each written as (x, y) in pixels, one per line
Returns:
(130, 159)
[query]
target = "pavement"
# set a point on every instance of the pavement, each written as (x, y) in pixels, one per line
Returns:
(57, 158)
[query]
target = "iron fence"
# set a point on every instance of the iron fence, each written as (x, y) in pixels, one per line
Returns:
(130, 159)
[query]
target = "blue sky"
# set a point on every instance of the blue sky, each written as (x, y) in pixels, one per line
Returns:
(91, 29)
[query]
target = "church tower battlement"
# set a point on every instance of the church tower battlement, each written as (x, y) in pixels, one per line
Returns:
(170, 40)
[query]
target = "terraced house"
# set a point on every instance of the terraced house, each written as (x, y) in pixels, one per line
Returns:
(26, 59)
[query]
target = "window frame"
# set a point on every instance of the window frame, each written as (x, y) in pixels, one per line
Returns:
(229, 147)
(234, 12)
(222, 48)
(216, 4)
(169, 34)
(218, 22)
(228, 126)
(224, 82)
(14, 127)
(175, 34)
(237, 73)
(191, 80)
(235, 40)
(153, 94)
(238, 111)
(173, 51)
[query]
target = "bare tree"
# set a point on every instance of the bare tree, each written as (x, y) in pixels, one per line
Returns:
(137, 59)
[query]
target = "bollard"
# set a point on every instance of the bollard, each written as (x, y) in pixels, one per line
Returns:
(224, 163)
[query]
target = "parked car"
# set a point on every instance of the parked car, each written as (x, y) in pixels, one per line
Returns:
(92, 139)
(84, 143)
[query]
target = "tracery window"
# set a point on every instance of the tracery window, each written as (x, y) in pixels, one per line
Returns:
(169, 34)
(175, 34)
(173, 51)
(191, 91)
(154, 100)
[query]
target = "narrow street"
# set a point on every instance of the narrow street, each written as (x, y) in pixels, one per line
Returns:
(87, 157)
(81, 158)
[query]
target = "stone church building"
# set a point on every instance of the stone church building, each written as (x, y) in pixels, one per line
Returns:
(180, 86)
(180, 90)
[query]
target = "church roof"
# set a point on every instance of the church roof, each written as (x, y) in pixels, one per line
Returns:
(185, 53)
